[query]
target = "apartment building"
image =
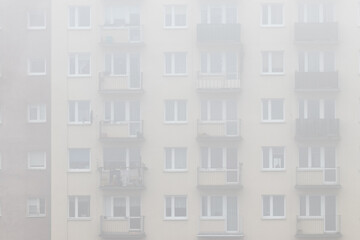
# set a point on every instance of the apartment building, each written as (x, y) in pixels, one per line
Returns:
(25, 120)
(221, 119)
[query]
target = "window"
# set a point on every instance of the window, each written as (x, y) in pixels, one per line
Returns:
(36, 113)
(175, 159)
(273, 158)
(218, 110)
(317, 109)
(272, 62)
(37, 160)
(317, 62)
(175, 63)
(36, 19)
(121, 158)
(121, 206)
(122, 64)
(79, 112)
(218, 14)
(175, 16)
(122, 16)
(122, 111)
(79, 159)
(273, 206)
(79, 206)
(218, 158)
(36, 207)
(213, 206)
(79, 17)
(37, 66)
(273, 110)
(316, 12)
(175, 111)
(175, 207)
(272, 15)
(219, 63)
(79, 64)
(317, 157)
(0, 160)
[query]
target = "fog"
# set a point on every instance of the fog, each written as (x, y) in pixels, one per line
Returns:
(151, 119)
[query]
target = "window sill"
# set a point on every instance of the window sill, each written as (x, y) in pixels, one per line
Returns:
(274, 218)
(79, 219)
(273, 121)
(36, 74)
(175, 171)
(176, 75)
(212, 218)
(79, 123)
(37, 121)
(79, 75)
(36, 216)
(272, 26)
(176, 219)
(37, 28)
(79, 28)
(175, 27)
(273, 74)
(175, 123)
(273, 170)
(79, 171)
(42, 168)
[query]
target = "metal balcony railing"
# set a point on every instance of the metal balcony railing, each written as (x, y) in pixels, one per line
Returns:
(132, 226)
(322, 226)
(219, 178)
(120, 83)
(227, 129)
(122, 178)
(221, 81)
(221, 227)
(121, 130)
(318, 177)
(112, 35)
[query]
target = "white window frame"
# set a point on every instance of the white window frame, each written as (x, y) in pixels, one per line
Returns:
(321, 55)
(44, 160)
(111, 207)
(172, 159)
(29, 70)
(271, 199)
(77, 57)
(40, 112)
(224, 103)
(271, 158)
(224, 18)
(309, 159)
(269, 63)
(29, 13)
(112, 63)
(172, 199)
(173, 9)
(76, 18)
(270, 119)
(207, 56)
(110, 16)
(307, 207)
(209, 199)
(77, 121)
(305, 7)
(176, 111)
(268, 7)
(76, 207)
(37, 203)
(173, 63)
(79, 169)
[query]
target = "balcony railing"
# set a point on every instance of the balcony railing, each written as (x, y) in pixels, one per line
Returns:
(129, 130)
(218, 82)
(218, 33)
(325, 226)
(221, 227)
(128, 227)
(317, 129)
(122, 178)
(316, 81)
(119, 84)
(317, 178)
(214, 130)
(112, 35)
(219, 178)
(316, 32)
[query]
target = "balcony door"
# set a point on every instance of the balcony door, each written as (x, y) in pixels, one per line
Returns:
(330, 214)
(135, 220)
(134, 72)
(232, 169)
(232, 221)
(317, 109)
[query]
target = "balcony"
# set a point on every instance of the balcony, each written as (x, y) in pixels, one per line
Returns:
(120, 84)
(220, 228)
(223, 82)
(122, 178)
(316, 81)
(122, 228)
(219, 178)
(218, 33)
(317, 129)
(115, 36)
(316, 32)
(318, 227)
(121, 131)
(315, 178)
(228, 130)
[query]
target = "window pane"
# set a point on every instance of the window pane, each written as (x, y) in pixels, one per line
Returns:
(216, 157)
(168, 207)
(314, 205)
(181, 107)
(180, 158)
(83, 206)
(180, 63)
(84, 16)
(119, 207)
(277, 111)
(180, 206)
(266, 206)
(276, 14)
(277, 62)
(169, 110)
(216, 206)
(79, 159)
(84, 111)
(278, 206)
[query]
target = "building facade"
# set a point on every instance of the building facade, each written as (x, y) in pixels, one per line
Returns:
(205, 119)
(25, 120)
